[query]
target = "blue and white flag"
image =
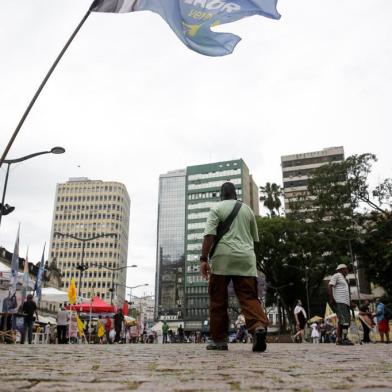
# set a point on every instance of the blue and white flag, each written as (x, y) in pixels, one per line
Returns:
(40, 276)
(26, 277)
(14, 266)
(192, 20)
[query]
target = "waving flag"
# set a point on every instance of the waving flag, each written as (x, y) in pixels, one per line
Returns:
(14, 266)
(40, 276)
(25, 277)
(72, 292)
(192, 20)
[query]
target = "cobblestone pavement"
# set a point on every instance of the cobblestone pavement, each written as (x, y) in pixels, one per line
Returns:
(189, 367)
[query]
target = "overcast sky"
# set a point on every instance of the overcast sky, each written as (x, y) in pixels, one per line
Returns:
(129, 101)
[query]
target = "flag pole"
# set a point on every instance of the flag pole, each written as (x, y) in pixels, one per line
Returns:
(42, 85)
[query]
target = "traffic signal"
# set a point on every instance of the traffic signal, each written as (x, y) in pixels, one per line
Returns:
(6, 209)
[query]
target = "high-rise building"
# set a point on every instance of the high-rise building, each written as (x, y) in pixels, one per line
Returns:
(297, 168)
(169, 284)
(185, 199)
(85, 209)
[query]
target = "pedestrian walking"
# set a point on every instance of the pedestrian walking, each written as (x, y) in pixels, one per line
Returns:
(323, 331)
(382, 321)
(29, 308)
(339, 300)
(48, 333)
(100, 329)
(228, 244)
(118, 323)
(108, 327)
(181, 334)
(300, 322)
(62, 323)
(315, 335)
(365, 317)
(165, 330)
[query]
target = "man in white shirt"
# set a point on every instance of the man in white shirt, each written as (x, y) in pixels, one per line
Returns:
(300, 322)
(339, 299)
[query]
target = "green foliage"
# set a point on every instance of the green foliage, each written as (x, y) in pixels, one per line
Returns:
(345, 210)
(289, 252)
(376, 251)
(341, 188)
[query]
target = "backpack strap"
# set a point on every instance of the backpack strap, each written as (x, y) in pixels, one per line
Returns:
(224, 226)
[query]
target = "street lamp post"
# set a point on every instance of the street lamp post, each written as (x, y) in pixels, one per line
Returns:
(134, 287)
(113, 270)
(9, 162)
(83, 267)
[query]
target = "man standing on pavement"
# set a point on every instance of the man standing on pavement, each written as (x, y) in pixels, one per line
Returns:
(300, 322)
(118, 322)
(29, 308)
(62, 323)
(108, 328)
(339, 299)
(165, 329)
(382, 321)
(233, 260)
(181, 334)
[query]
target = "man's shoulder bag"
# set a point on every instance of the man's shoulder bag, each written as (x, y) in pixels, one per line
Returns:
(224, 227)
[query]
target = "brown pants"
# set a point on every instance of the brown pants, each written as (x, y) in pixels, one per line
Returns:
(246, 291)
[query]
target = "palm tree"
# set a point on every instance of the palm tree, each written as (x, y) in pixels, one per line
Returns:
(270, 195)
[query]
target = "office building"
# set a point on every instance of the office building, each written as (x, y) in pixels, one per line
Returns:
(84, 208)
(169, 285)
(143, 309)
(297, 168)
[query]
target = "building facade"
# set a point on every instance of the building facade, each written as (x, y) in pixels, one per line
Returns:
(143, 309)
(185, 199)
(169, 285)
(298, 168)
(85, 208)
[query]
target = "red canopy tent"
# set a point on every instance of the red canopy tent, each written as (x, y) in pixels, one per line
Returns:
(97, 305)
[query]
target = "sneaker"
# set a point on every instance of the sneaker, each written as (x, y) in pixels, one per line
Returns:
(259, 340)
(217, 346)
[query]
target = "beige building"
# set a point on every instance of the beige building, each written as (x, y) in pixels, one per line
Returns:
(86, 209)
(298, 168)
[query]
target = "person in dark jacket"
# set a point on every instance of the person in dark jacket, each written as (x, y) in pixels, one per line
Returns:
(118, 322)
(29, 308)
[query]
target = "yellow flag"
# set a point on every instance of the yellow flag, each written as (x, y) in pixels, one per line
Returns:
(80, 326)
(72, 292)
(330, 315)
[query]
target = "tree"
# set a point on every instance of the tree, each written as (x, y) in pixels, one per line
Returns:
(376, 252)
(356, 216)
(289, 251)
(270, 196)
(341, 189)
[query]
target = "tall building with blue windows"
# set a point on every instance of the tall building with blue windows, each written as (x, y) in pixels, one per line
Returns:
(181, 292)
(169, 278)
